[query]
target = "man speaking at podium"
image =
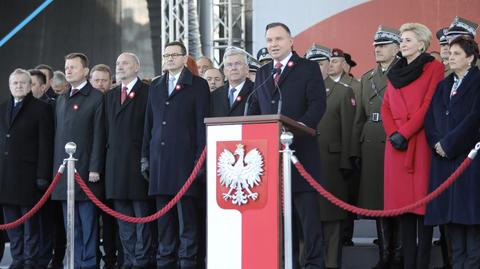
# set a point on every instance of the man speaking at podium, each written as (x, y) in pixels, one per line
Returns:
(293, 86)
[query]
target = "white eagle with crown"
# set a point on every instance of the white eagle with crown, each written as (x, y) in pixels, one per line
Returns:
(240, 175)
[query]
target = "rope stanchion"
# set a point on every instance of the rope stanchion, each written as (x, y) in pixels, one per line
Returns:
(382, 213)
(39, 204)
(152, 217)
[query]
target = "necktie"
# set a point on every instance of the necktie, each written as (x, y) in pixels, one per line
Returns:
(73, 92)
(231, 96)
(123, 94)
(278, 67)
(171, 85)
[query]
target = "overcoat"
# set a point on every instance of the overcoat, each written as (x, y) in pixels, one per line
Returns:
(368, 138)
(26, 147)
(303, 99)
(334, 137)
(403, 110)
(454, 122)
(219, 103)
(124, 127)
(174, 134)
(80, 119)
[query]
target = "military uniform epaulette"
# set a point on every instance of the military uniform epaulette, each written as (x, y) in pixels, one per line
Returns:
(369, 73)
(344, 84)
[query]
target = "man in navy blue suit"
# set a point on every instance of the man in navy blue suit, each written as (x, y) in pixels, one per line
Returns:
(298, 83)
(174, 137)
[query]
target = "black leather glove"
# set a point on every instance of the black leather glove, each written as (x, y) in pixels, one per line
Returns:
(346, 173)
(356, 163)
(42, 184)
(398, 141)
(145, 168)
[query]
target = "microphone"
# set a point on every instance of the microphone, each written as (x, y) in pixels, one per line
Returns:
(245, 110)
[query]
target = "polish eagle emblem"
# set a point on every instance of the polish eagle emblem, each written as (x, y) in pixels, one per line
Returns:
(240, 174)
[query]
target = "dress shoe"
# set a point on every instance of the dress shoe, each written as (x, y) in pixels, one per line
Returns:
(55, 264)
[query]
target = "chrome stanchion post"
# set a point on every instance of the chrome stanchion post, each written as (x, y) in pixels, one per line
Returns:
(70, 149)
(286, 138)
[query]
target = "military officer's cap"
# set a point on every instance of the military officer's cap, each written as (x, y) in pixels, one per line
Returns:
(263, 54)
(442, 36)
(253, 66)
(386, 35)
(337, 53)
(349, 60)
(318, 53)
(461, 26)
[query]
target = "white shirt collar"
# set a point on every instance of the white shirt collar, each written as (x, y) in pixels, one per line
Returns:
(80, 87)
(238, 88)
(284, 62)
(130, 85)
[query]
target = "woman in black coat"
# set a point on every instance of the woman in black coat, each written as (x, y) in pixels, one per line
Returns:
(452, 128)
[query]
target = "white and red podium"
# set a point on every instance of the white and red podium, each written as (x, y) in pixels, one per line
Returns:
(244, 210)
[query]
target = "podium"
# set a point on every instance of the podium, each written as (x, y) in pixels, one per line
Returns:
(245, 227)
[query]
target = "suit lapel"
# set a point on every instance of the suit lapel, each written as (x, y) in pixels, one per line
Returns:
(129, 98)
(9, 113)
(378, 81)
(185, 79)
(241, 95)
(290, 65)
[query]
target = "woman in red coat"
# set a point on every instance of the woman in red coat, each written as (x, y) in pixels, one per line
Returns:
(411, 85)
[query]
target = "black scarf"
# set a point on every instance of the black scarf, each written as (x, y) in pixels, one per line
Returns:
(403, 74)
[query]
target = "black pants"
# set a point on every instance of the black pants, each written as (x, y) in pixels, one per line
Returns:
(177, 234)
(465, 246)
(415, 255)
(306, 206)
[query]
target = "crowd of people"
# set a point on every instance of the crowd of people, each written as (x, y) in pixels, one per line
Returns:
(382, 142)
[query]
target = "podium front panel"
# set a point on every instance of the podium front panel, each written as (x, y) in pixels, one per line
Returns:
(243, 196)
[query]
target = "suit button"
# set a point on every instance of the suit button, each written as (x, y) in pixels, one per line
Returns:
(167, 103)
(164, 123)
(446, 113)
(273, 101)
(6, 153)
(7, 135)
(162, 143)
(370, 103)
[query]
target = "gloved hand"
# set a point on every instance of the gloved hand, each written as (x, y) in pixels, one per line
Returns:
(346, 173)
(145, 168)
(42, 184)
(398, 141)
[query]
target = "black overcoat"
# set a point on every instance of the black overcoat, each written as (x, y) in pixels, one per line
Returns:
(80, 119)
(304, 100)
(219, 103)
(174, 134)
(26, 147)
(124, 127)
(455, 123)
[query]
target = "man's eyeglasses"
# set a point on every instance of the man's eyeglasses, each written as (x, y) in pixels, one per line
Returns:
(173, 55)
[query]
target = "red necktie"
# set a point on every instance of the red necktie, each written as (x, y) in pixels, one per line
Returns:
(123, 95)
(278, 67)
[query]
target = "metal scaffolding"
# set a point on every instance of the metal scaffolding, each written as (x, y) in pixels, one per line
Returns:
(227, 26)
(174, 21)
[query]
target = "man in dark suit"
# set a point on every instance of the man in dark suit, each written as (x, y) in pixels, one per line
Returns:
(304, 100)
(26, 131)
(125, 117)
(174, 138)
(79, 117)
(229, 100)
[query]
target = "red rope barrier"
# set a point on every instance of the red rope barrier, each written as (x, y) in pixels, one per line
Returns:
(381, 213)
(35, 208)
(152, 217)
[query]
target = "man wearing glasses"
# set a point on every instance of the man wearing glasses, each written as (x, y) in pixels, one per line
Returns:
(229, 100)
(174, 137)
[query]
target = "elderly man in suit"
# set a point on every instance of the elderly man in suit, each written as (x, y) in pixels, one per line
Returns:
(229, 100)
(79, 117)
(26, 131)
(125, 116)
(174, 138)
(299, 82)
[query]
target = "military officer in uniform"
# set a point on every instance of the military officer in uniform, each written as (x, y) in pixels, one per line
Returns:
(462, 26)
(368, 143)
(263, 56)
(333, 136)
